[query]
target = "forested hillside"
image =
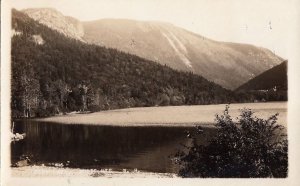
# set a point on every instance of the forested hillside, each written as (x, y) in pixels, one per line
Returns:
(272, 85)
(52, 74)
(275, 77)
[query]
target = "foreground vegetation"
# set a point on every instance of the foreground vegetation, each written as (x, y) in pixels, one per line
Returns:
(251, 147)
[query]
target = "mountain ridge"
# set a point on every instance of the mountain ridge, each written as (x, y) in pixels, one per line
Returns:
(227, 64)
(54, 19)
(63, 74)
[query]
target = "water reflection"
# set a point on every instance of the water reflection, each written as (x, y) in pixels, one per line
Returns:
(144, 148)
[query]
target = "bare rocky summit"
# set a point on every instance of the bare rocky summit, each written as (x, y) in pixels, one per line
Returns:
(69, 26)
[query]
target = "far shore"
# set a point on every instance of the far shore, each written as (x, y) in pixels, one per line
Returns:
(170, 115)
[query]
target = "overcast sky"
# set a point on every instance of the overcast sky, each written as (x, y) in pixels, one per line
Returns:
(260, 22)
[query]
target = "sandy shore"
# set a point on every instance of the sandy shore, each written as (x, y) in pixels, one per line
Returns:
(43, 171)
(171, 115)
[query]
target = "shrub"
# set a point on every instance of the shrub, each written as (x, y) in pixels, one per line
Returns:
(250, 147)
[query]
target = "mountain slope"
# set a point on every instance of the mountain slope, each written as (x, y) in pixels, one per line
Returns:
(52, 73)
(274, 77)
(227, 64)
(69, 26)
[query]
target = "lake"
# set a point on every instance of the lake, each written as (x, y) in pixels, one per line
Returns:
(146, 144)
(102, 147)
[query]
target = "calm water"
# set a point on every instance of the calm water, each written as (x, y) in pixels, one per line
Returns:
(98, 147)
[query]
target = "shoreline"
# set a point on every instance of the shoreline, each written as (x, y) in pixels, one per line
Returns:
(44, 171)
(173, 116)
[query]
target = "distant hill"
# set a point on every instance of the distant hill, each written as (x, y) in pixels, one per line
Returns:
(227, 64)
(54, 73)
(275, 77)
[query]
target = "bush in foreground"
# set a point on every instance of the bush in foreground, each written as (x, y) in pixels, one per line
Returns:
(250, 147)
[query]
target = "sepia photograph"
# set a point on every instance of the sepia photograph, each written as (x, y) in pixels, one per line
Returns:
(129, 89)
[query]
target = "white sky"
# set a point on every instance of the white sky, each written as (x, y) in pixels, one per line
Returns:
(243, 21)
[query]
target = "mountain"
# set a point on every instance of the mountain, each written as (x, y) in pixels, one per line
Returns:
(54, 73)
(274, 77)
(227, 64)
(69, 26)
